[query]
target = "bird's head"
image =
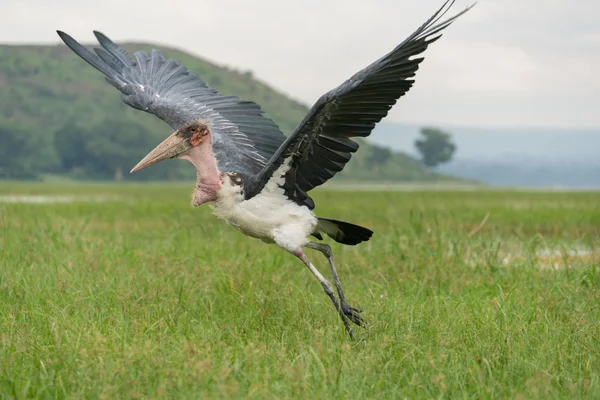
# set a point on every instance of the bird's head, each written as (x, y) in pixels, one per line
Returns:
(178, 145)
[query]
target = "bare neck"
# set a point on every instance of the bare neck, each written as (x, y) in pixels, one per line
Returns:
(208, 178)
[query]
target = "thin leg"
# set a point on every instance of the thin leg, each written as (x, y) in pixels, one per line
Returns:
(326, 287)
(348, 310)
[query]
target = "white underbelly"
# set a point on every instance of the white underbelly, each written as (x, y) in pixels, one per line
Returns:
(270, 217)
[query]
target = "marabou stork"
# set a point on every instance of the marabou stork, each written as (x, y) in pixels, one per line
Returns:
(253, 176)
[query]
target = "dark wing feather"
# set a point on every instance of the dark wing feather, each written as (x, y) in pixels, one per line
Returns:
(243, 139)
(320, 146)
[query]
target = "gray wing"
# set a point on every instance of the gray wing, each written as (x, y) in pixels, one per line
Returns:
(243, 139)
(320, 146)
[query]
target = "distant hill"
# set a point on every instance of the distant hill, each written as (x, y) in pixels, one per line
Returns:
(568, 158)
(58, 115)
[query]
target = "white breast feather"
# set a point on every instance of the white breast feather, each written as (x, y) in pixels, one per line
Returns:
(269, 216)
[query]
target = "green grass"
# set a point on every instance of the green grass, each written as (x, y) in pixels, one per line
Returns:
(144, 297)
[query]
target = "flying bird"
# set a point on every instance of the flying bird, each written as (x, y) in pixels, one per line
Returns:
(252, 175)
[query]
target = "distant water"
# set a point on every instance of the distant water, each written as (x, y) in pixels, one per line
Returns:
(53, 199)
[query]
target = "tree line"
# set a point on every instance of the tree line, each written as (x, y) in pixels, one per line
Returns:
(108, 149)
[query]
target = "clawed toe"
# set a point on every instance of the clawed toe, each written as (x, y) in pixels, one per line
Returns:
(353, 314)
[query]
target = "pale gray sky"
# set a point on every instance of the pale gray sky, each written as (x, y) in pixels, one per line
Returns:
(504, 63)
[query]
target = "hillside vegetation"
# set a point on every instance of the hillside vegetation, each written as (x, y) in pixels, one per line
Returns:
(59, 116)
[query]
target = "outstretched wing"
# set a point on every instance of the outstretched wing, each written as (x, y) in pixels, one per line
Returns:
(243, 139)
(320, 146)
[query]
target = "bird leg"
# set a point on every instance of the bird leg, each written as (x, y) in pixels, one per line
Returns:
(347, 309)
(326, 287)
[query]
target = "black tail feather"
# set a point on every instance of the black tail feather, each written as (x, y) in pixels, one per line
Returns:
(317, 235)
(342, 232)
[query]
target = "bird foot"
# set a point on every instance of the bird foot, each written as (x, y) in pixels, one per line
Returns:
(353, 314)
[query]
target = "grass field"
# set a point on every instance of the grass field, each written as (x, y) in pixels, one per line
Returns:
(138, 295)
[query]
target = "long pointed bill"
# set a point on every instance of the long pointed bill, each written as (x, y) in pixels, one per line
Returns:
(171, 147)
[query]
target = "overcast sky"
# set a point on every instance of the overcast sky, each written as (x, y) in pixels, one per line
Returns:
(504, 63)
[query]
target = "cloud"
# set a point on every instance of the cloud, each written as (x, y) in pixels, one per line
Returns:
(506, 62)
